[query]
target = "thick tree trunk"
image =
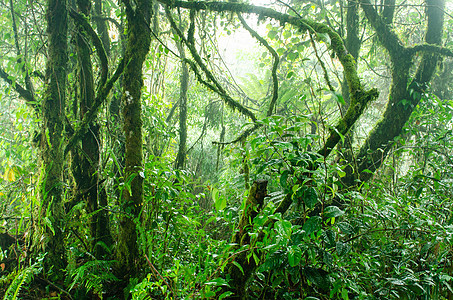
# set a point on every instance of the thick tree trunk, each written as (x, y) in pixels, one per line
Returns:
(138, 43)
(51, 144)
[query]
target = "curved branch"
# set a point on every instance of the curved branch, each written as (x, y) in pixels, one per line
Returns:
(359, 97)
(432, 49)
(215, 86)
(23, 93)
(274, 65)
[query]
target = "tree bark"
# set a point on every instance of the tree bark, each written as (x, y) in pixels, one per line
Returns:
(184, 84)
(85, 165)
(253, 205)
(52, 132)
(138, 43)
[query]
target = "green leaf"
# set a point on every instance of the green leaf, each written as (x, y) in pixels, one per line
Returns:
(312, 224)
(342, 248)
(283, 228)
(287, 34)
(345, 227)
(284, 178)
(219, 201)
(294, 255)
(310, 197)
(272, 34)
(225, 295)
(332, 212)
(319, 277)
(344, 294)
(217, 282)
(238, 266)
(337, 97)
(293, 56)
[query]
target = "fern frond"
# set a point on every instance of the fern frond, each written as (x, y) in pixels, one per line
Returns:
(24, 276)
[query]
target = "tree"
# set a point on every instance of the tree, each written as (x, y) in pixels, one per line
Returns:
(137, 47)
(404, 97)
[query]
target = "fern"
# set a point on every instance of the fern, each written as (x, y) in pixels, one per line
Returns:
(23, 276)
(93, 275)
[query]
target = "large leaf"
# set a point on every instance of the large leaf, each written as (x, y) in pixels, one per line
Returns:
(319, 277)
(332, 212)
(219, 201)
(310, 197)
(283, 228)
(294, 255)
(312, 224)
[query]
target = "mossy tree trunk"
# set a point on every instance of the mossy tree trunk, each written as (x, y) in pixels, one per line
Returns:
(51, 144)
(239, 278)
(184, 84)
(85, 159)
(138, 43)
(404, 97)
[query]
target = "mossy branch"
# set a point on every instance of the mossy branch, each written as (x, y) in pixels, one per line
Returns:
(102, 94)
(82, 21)
(254, 34)
(386, 36)
(359, 97)
(215, 86)
(23, 93)
(431, 49)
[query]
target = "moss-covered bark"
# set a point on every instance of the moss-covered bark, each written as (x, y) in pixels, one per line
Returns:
(51, 144)
(184, 84)
(238, 278)
(138, 43)
(403, 97)
(85, 160)
(101, 24)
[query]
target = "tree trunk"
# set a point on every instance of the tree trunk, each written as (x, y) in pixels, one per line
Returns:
(138, 43)
(51, 144)
(184, 84)
(253, 204)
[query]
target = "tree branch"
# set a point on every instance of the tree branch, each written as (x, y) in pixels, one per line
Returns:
(102, 94)
(82, 21)
(215, 86)
(23, 93)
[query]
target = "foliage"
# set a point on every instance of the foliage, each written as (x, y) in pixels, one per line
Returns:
(23, 276)
(93, 276)
(312, 238)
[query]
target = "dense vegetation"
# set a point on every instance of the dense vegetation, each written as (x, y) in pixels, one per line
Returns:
(150, 150)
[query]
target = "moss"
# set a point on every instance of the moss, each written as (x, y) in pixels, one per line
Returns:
(253, 204)
(137, 48)
(52, 132)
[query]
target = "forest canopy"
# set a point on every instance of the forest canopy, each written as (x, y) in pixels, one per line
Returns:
(175, 149)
